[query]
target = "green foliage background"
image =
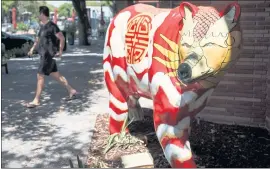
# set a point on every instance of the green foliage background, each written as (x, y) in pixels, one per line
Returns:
(33, 7)
(65, 10)
(23, 6)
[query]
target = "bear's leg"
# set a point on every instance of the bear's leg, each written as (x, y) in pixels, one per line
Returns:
(135, 112)
(174, 138)
(118, 111)
(118, 108)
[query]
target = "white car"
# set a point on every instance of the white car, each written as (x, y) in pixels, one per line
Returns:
(7, 27)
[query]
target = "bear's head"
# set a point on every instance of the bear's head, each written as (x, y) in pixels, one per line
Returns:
(209, 44)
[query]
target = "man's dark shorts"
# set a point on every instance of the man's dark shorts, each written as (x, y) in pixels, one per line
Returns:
(47, 65)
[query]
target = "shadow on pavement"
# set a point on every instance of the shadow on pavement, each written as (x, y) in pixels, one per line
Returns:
(37, 133)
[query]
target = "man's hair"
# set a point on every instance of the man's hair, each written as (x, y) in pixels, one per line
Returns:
(44, 10)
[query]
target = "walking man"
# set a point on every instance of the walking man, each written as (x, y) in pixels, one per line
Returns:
(47, 48)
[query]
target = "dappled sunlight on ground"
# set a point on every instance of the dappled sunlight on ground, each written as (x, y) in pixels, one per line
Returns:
(95, 48)
(48, 135)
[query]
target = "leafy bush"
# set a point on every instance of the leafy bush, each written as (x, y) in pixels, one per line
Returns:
(22, 26)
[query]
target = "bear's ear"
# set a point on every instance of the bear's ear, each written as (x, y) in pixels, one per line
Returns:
(187, 10)
(231, 14)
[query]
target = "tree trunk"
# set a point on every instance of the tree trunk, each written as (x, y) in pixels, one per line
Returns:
(83, 22)
(83, 35)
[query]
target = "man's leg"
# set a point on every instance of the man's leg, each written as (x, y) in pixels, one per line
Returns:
(62, 80)
(40, 84)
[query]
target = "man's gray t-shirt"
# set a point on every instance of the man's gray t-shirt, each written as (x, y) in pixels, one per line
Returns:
(47, 47)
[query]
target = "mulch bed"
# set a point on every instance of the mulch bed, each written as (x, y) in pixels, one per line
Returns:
(214, 145)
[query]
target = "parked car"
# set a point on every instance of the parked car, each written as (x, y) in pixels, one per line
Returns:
(3, 58)
(7, 27)
(17, 45)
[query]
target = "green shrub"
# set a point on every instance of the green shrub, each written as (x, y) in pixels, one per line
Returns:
(22, 26)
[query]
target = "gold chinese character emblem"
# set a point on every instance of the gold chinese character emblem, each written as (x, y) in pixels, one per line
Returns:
(137, 37)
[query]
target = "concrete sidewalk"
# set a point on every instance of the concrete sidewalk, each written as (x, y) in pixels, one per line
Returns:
(49, 135)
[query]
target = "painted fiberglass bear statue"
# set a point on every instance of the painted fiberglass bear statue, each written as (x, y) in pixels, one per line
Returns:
(175, 57)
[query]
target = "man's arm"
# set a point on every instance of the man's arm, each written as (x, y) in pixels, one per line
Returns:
(36, 42)
(34, 46)
(61, 37)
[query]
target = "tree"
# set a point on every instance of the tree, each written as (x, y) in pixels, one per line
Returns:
(65, 10)
(6, 6)
(80, 7)
(22, 6)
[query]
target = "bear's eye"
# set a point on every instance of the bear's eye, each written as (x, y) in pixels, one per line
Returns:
(186, 45)
(209, 44)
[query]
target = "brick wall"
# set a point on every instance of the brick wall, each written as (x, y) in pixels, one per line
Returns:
(243, 96)
(268, 96)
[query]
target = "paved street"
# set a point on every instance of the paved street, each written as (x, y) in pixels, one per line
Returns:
(56, 131)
